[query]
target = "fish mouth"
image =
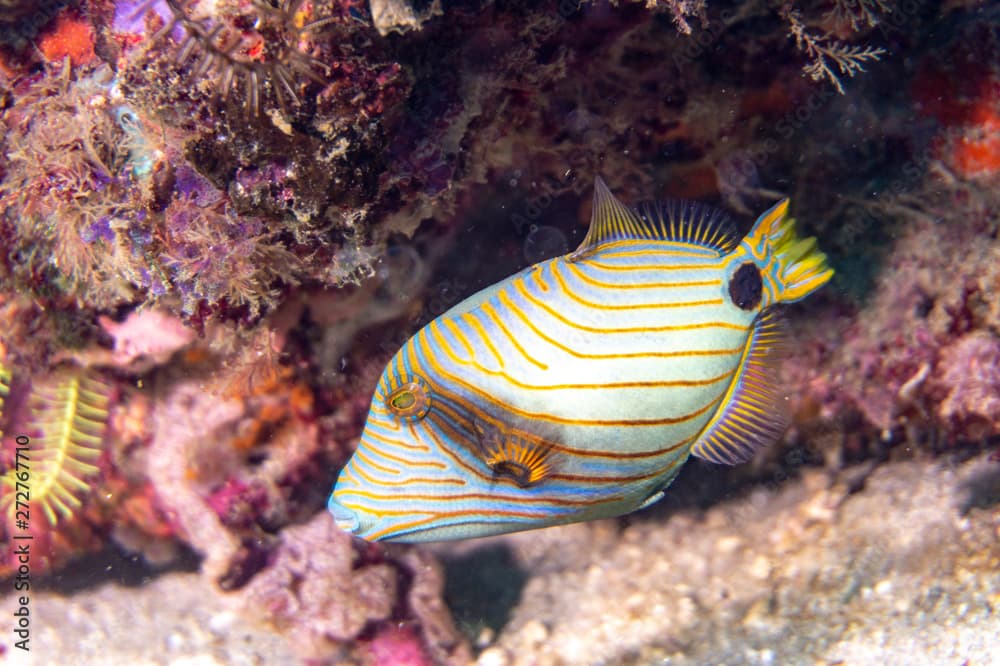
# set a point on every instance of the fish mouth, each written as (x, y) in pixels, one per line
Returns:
(346, 519)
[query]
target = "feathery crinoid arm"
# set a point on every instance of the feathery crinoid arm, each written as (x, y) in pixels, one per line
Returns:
(69, 412)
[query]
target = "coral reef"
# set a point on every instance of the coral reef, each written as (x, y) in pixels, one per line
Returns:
(325, 592)
(220, 218)
(916, 363)
(959, 87)
(318, 591)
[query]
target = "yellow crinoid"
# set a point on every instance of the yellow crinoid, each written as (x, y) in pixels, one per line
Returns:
(68, 416)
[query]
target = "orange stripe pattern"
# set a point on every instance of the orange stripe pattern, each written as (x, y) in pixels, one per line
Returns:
(573, 390)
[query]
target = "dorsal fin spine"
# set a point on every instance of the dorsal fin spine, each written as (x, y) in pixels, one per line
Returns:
(677, 221)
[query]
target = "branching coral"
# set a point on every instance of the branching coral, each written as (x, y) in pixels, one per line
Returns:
(681, 11)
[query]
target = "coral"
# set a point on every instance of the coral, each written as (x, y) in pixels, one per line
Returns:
(215, 259)
(977, 152)
(151, 335)
(398, 646)
(185, 431)
(915, 363)
(323, 591)
(959, 86)
(85, 183)
(256, 47)
(680, 10)
(65, 210)
(70, 37)
(232, 468)
(440, 640)
(320, 590)
(401, 16)
(970, 373)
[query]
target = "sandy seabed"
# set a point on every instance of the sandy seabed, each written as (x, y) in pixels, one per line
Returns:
(899, 566)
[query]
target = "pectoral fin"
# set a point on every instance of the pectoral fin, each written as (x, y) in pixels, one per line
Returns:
(514, 454)
(753, 412)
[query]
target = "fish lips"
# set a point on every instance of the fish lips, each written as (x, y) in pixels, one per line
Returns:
(346, 519)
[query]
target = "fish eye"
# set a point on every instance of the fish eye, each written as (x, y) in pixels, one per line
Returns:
(403, 400)
(409, 401)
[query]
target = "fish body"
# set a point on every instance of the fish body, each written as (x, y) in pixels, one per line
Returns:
(577, 388)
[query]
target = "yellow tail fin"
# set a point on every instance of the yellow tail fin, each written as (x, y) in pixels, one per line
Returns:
(794, 266)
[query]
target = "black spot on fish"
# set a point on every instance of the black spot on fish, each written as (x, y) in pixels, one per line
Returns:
(746, 286)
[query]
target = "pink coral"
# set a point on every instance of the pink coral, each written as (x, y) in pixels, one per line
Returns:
(398, 646)
(970, 373)
(237, 503)
(153, 334)
(318, 589)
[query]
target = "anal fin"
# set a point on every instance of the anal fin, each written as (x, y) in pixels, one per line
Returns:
(753, 413)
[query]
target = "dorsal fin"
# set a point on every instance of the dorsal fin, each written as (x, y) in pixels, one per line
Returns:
(690, 222)
(679, 221)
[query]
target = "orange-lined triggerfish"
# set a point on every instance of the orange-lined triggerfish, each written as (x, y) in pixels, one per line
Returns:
(576, 388)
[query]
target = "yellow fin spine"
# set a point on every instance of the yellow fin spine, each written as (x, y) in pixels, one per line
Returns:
(796, 267)
(676, 221)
